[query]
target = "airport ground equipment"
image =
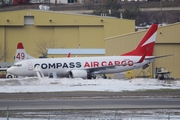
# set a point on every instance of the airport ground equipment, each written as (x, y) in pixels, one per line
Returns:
(163, 74)
(130, 74)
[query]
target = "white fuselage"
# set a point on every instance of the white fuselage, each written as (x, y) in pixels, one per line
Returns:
(63, 65)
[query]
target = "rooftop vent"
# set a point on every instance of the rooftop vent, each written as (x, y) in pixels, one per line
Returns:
(44, 7)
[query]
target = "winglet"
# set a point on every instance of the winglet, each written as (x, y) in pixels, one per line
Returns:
(142, 58)
(69, 55)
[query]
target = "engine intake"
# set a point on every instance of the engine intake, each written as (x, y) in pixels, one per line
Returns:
(78, 74)
(145, 66)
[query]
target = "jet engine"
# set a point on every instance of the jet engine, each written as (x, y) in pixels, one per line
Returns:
(145, 66)
(78, 74)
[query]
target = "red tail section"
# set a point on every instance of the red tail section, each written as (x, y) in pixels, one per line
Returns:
(20, 46)
(21, 53)
(146, 45)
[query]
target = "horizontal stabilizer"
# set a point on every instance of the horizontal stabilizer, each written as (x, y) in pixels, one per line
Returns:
(155, 57)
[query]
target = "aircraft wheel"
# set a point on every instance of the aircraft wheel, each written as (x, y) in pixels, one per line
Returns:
(9, 76)
(91, 76)
(94, 76)
(88, 76)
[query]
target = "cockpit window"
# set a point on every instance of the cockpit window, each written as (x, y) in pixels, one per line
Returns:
(18, 65)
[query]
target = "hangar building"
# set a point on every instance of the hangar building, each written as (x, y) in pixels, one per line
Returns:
(49, 29)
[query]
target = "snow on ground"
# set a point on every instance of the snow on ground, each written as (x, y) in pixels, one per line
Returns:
(22, 85)
(157, 114)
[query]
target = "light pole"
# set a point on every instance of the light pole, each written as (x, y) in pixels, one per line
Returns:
(161, 9)
(161, 5)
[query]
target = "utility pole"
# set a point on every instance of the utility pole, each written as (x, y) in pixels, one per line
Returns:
(169, 116)
(161, 5)
(7, 113)
(161, 10)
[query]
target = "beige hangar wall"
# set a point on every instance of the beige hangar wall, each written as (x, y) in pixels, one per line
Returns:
(69, 30)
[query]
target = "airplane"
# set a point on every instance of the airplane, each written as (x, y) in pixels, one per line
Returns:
(20, 55)
(88, 67)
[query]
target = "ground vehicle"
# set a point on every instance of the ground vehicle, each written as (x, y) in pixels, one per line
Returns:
(163, 74)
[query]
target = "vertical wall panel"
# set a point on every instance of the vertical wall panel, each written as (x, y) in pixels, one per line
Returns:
(172, 62)
(91, 37)
(29, 36)
(3, 39)
(68, 37)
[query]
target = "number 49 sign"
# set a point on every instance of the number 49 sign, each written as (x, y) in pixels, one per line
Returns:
(20, 56)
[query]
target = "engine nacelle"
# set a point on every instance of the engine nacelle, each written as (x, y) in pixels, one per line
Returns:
(77, 74)
(145, 66)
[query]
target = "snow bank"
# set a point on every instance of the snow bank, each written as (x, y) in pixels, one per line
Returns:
(23, 85)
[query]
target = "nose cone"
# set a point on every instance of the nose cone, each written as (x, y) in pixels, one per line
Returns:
(10, 70)
(13, 70)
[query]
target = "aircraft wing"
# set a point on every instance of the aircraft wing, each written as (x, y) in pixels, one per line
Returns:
(96, 69)
(3, 69)
(155, 57)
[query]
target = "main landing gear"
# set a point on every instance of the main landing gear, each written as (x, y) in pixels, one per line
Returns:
(91, 76)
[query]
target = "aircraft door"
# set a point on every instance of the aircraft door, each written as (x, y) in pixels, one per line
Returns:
(30, 65)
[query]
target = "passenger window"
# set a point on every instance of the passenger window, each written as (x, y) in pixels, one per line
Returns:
(18, 65)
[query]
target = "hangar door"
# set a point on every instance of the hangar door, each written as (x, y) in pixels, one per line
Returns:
(91, 37)
(172, 62)
(68, 37)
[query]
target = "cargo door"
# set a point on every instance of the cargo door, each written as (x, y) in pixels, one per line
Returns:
(30, 65)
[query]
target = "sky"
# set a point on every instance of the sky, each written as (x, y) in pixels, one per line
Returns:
(23, 85)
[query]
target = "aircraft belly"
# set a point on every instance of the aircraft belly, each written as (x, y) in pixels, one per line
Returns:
(59, 72)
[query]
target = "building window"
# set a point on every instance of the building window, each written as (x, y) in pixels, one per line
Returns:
(28, 20)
